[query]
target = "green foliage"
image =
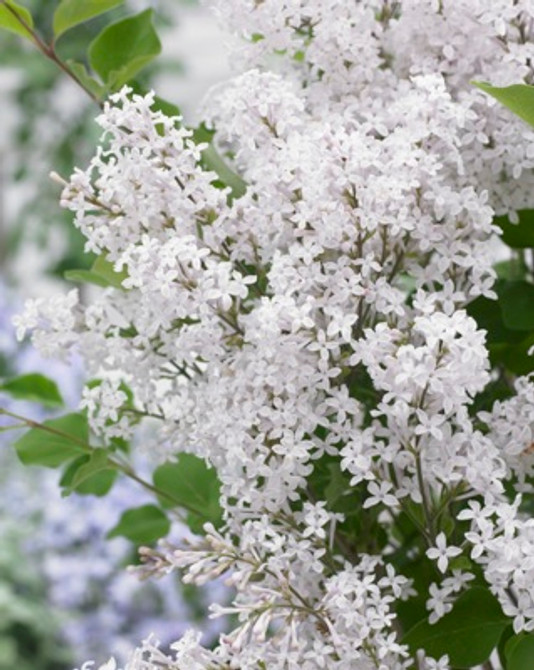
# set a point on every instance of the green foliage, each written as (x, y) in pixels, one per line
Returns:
(519, 652)
(518, 235)
(191, 484)
(142, 525)
(211, 160)
(102, 273)
(516, 301)
(59, 441)
(124, 48)
(509, 323)
(90, 83)
(10, 22)
(519, 98)
(468, 634)
(70, 13)
(90, 474)
(33, 387)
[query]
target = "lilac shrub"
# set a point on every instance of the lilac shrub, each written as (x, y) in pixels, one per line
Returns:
(311, 339)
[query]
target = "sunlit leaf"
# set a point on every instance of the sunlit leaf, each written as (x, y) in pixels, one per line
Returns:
(124, 48)
(70, 13)
(64, 440)
(9, 11)
(34, 387)
(519, 98)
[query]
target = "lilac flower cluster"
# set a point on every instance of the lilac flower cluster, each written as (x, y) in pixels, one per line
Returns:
(250, 327)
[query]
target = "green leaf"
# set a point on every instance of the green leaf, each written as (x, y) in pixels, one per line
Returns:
(90, 83)
(96, 462)
(85, 477)
(102, 273)
(105, 270)
(337, 485)
(516, 357)
(468, 633)
(9, 21)
(519, 652)
(86, 277)
(519, 98)
(191, 484)
(517, 305)
(70, 13)
(142, 525)
(518, 235)
(213, 161)
(65, 439)
(124, 48)
(507, 635)
(35, 388)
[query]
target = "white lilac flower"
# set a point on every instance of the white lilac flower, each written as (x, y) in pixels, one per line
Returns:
(442, 553)
(272, 330)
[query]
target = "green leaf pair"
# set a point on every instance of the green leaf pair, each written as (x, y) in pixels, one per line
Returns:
(66, 441)
(188, 483)
(119, 52)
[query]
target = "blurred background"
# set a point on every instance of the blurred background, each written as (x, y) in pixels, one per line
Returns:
(64, 594)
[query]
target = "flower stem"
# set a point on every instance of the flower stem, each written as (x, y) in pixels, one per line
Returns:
(49, 51)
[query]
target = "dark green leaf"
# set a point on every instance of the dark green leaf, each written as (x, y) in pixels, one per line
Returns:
(511, 270)
(501, 647)
(191, 484)
(8, 18)
(487, 314)
(519, 652)
(124, 48)
(142, 525)
(468, 634)
(70, 13)
(64, 440)
(517, 305)
(337, 485)
(516, 357)
(519, 98)
(518, 235)
(34, 387)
